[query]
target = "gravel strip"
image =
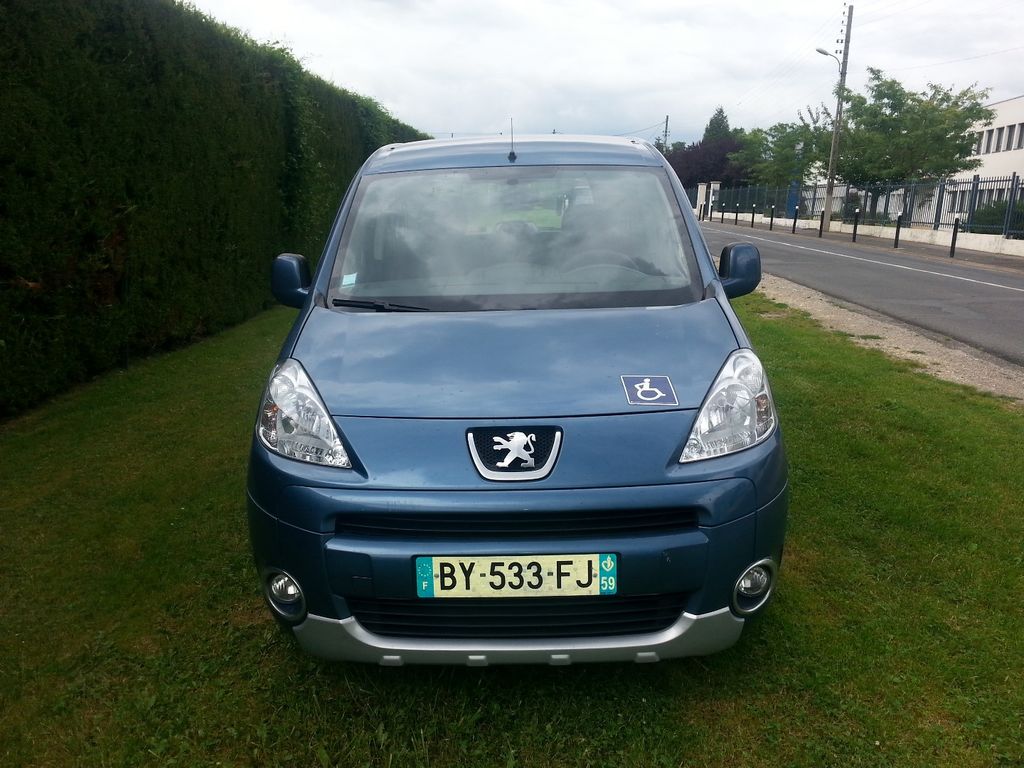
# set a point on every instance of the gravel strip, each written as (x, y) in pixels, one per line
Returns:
(941, 357)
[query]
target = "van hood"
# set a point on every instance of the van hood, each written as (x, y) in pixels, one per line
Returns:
(510, 364)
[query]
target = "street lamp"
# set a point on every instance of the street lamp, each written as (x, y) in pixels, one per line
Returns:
(823, 52)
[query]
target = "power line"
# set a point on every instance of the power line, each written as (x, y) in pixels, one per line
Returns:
(765, 90)
(896, 12)
(640, 130)
(462, 134)
(472, 134)
(781, 70)
(954, 61)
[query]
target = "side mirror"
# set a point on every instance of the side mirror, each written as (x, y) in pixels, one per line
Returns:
(289, 279)
(740, 269)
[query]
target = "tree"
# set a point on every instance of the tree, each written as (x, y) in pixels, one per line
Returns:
(717, 127)
(708, 159)
(893, 134)
(779, 155)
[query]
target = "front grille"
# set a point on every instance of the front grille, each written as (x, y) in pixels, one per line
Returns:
(450, 525)
(510, 618)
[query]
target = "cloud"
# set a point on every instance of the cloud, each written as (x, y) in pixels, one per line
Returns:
(586, 66)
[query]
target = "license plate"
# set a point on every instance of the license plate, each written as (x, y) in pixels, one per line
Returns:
(516, 575)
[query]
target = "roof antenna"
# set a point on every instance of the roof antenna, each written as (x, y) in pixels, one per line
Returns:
(512, 132)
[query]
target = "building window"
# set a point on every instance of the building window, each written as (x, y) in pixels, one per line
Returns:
(1009, 136)
(1020, 135)
(988, 140)
(999, 195)
(977, 144)
(999, 139)
(952, 202)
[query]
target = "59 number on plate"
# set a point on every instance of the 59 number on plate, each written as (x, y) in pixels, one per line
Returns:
(517, 575)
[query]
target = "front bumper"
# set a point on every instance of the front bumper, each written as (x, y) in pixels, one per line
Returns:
(734, 510)
(346, 639)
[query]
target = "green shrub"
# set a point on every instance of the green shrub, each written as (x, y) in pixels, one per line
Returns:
(152, 162)
(989, 220)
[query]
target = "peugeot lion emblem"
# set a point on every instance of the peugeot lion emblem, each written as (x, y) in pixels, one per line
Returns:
(519, 446)
(501, 453)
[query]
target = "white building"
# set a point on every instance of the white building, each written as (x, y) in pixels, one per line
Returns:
(1001, 145)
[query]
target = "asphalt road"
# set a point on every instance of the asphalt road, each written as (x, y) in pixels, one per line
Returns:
(979, 305)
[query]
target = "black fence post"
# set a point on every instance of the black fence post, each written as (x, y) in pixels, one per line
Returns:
(975, 182)
(1011, 201)
(899, 225)
(856, 221)
(736, 221)
(796, 211)
(821, 225)
(956, 229)
(771, 221)
(753, 207)
(723, 213)
(938, 204)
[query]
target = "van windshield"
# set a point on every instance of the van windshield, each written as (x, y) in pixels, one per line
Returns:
(530, 237)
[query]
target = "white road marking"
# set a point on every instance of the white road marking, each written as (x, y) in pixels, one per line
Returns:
(872, 261)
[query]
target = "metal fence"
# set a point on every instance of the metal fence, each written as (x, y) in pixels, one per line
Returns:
(992, 206)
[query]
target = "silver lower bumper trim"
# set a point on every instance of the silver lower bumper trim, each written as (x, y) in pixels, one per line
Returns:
(347, 640)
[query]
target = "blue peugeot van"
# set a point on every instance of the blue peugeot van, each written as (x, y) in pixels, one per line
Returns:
(516, 419)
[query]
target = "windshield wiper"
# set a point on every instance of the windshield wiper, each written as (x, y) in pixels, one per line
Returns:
(378, 305)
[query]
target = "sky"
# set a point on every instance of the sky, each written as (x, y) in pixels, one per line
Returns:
(465, 67)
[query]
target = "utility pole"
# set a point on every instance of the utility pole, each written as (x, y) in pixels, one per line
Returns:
(834, 153)
(664, 140)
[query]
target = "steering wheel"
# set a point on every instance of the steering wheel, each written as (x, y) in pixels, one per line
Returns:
(603, 257)
(516, 228)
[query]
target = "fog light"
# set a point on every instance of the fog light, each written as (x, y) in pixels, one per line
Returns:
(284, 589)
(754, 582)
(753, 587)
(284, 596)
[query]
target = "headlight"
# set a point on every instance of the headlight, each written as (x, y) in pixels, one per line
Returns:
(737, 413)
(294, 422)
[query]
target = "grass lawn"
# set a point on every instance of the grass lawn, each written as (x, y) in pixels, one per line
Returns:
(133, 632)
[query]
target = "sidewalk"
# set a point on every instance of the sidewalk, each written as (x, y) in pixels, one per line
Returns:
(829, 239)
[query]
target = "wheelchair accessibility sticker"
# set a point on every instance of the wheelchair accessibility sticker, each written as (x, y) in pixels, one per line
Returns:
(649, 390)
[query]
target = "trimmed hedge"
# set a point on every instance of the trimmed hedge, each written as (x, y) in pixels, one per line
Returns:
(152, 162)
(991, 220)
